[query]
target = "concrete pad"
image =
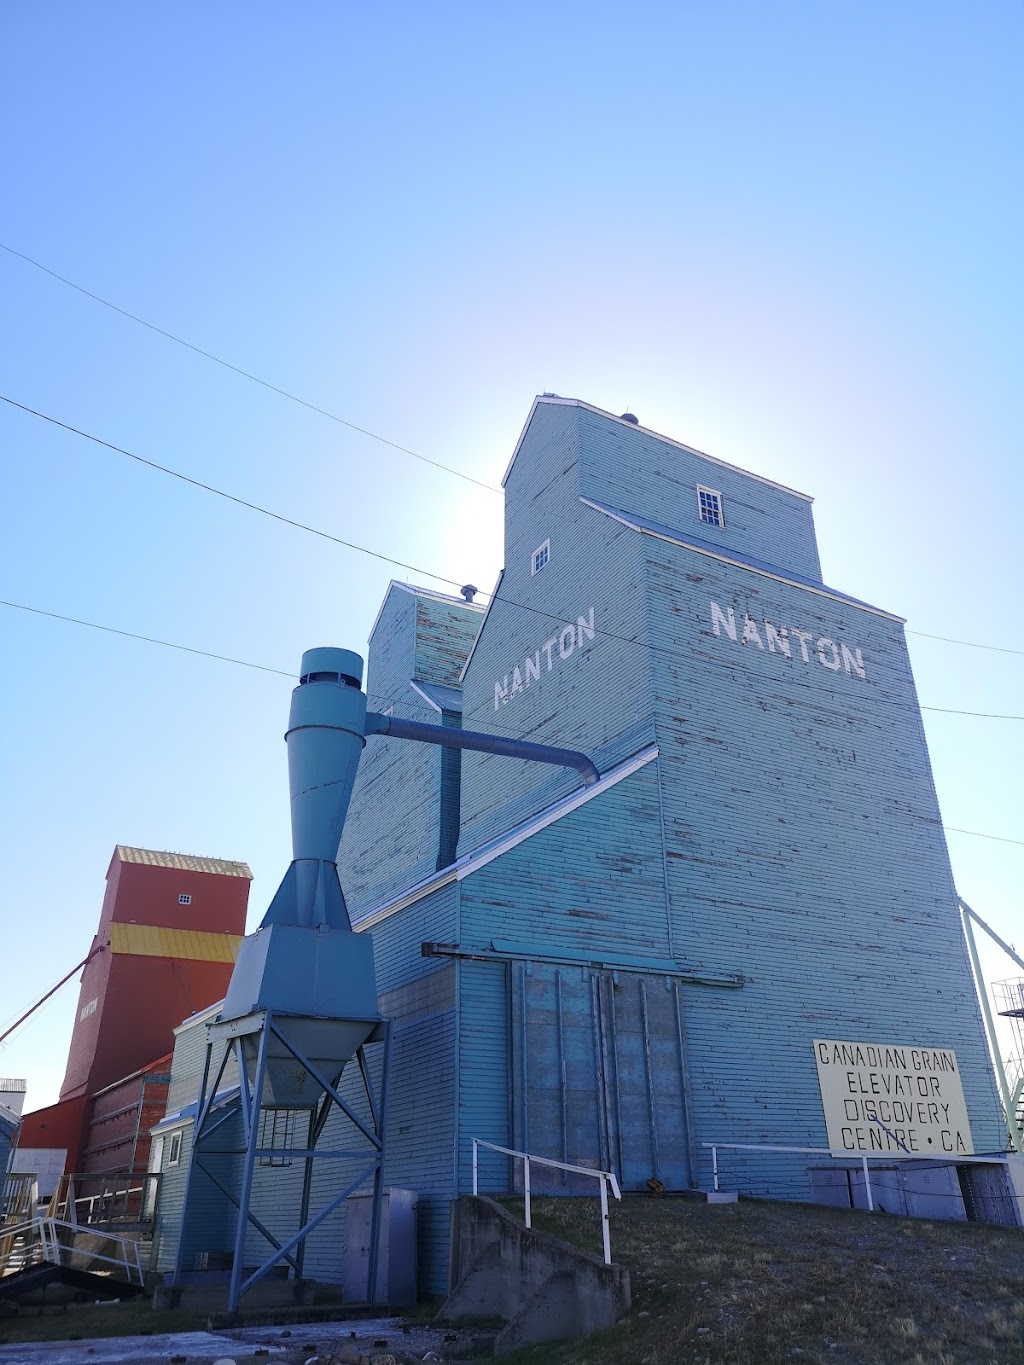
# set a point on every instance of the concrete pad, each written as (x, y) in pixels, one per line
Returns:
(204, 1348)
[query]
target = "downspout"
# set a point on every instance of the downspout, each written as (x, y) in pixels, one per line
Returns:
(449, 815)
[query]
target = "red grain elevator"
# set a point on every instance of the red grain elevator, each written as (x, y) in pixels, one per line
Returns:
(167, 939)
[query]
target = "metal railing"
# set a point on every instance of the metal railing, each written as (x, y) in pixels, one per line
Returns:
(717, 1147)
(606, 1178)
(53, 1240)
(101, 1199)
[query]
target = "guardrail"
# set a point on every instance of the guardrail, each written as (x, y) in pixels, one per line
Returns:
(115, 1197)
(56, 1241)
(880, 1157)
(606, 1178)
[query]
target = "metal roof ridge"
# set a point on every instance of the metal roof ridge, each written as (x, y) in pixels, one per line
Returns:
(159, 857)
(555, 400)
(646, 526)
(415, 591)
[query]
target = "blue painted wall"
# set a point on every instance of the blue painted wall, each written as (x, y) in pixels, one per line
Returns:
(629, 975)
(788, 831)
(391, 834)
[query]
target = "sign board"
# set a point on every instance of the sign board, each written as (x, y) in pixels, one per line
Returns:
(887, 1100)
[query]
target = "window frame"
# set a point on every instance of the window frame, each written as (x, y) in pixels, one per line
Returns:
(544, 548)
(184, 897)
(704, 491)
(173, 1148)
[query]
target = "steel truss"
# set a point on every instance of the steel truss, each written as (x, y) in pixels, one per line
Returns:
(212, 1115)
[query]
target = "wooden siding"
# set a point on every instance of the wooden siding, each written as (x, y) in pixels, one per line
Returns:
(391, 833)
(804, 849)
(597, 699)
(789, 831)
(635, 472)
(592, 882)
(445, 631)
(484, 1093)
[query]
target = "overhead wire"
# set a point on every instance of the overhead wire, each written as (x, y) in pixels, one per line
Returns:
(149, 639)
(427, 573)
(313, 407)
(377, 698)
(503, 601)
(246, 374)
(222, 493)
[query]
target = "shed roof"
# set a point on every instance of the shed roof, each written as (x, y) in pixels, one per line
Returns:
(182, 862)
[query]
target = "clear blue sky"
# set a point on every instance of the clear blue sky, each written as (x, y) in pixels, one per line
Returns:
(788, 234)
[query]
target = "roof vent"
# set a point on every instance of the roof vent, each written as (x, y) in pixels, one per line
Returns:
(628, 417)
(469, 592)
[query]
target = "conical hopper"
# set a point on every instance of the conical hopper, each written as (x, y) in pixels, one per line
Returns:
(327, 1044)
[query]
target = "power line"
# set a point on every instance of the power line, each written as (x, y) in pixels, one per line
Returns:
(400, 701)
(245, 374)
(999, 838)
(374, 554)
(971, 644)
(982, 715)
(364, 431)
(229, 497)
(149, 639)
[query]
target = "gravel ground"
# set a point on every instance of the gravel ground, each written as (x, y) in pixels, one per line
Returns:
(380, 1341)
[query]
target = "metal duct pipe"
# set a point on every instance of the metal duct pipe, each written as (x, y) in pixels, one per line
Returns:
(395, 726)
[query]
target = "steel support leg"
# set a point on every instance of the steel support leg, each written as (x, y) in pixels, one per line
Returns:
(250, 1160)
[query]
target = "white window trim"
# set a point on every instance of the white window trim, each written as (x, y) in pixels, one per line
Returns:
(712, 493)
(185, 898)
(545, 546)
(174, 1145)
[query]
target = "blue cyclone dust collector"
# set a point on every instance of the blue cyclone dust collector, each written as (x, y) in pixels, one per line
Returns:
(302, 1000)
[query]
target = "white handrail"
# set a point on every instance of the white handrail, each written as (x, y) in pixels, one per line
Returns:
(129, 1260)
(863, 1157)
(605, 1177)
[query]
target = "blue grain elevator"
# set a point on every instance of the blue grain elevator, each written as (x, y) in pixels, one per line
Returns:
(615, 973)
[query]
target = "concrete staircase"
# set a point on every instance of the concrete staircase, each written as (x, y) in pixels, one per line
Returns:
(542, 1288)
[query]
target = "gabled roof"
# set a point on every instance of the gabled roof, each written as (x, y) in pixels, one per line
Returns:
(415, 591)
(553, 399)
(181, 862)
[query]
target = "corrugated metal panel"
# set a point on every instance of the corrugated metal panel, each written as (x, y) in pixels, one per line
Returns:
(484, 1072)
(188, 945)
(183, 862)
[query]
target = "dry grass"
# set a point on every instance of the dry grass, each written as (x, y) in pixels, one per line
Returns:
(781, 1284)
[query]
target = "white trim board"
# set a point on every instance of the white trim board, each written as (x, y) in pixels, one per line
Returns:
(486, 853)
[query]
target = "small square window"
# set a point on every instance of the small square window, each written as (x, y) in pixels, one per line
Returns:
(540, 557)
(174, 1150)
(184, 900)
(709, 503)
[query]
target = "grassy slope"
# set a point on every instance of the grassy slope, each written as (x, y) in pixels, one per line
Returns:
(759, 1283)
(747, 1284)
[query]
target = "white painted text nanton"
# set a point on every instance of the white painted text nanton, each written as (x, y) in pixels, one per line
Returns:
(568, 641)
(793, 644)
